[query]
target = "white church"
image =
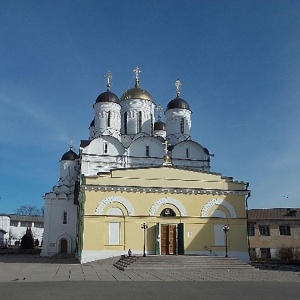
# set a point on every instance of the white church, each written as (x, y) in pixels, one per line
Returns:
(124, 134)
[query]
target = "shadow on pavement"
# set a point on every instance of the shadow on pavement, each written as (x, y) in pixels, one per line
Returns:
(33, 258)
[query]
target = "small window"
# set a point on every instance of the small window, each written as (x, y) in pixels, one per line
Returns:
(65, 218)
(187, 154)
(265, 253)
(125, 122)
(151, 124)
(284, 230)
(26, 224)
(182, 125)
(108, 119)
(264, 230)
(105, 150)
(14, 223)
(147, 151)
(251, 230)
(39, 225)
(140, 122)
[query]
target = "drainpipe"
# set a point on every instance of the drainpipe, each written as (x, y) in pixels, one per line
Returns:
(248, 238)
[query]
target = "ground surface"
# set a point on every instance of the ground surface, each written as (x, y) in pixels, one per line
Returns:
(31, 277)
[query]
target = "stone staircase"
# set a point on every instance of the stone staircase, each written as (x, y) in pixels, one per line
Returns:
(186, 262)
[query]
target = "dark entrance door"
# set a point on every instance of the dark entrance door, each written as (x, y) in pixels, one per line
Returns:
(168, 239)
(63, 246)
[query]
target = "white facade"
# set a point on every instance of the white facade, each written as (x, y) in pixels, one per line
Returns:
(134, 139)
(61, 209)
(15, 227)
(4, 230)
(123, 134)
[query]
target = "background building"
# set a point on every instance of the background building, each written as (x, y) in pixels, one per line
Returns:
(19, 224)
(15, 227)
(4, 230)
(270, 230)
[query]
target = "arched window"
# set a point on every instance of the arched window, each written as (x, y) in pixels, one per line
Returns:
(182, 125)
(125, 122)
(108, 119)
(65, 217)
(168, 212)
(140, 122)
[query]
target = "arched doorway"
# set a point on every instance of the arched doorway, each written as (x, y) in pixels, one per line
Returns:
(63, 246)
(168, 233)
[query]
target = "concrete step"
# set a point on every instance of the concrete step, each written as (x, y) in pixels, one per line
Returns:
(180, 262)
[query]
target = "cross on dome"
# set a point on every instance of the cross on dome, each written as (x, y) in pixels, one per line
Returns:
(71, 143)
(178, 84)
(166, 143)
(108, 77)
(159, 110)
(167, 161)
(137, 72)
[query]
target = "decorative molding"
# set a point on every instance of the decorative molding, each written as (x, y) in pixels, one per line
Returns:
(214, 202)
(118, 199)
(167, 200)
(159, 190)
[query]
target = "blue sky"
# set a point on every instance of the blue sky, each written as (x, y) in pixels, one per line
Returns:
(238, 62)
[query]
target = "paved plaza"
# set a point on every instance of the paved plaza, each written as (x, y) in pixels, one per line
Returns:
(25, 276)
(28, 268)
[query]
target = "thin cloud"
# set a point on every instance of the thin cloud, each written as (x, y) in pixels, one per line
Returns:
(36, 115)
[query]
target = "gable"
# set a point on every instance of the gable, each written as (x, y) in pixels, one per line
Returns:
(167, 177)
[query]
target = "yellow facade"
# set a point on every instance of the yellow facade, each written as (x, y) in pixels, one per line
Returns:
(114, 205)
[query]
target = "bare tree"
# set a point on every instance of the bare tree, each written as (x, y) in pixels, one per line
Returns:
(29, 210)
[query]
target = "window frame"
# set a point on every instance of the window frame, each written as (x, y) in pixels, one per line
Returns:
(147, 151)
(182, 125)
(125, 122)
(251, 229)
(105, 148)
(140, 122)
(187, 152)
(108, 119)
(284, 230)
(266, 252)
(264, 230)
(65, 217)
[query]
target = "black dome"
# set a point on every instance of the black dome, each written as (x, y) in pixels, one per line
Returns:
(70, 155)
(159, 125)
(107, 96)
(178, 103)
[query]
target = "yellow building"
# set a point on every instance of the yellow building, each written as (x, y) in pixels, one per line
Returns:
(184, 212)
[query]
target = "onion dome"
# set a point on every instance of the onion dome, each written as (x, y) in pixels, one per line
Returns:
(136, 92)
(107, 96)
(178, 102)
(159, 125)
(70, 155)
